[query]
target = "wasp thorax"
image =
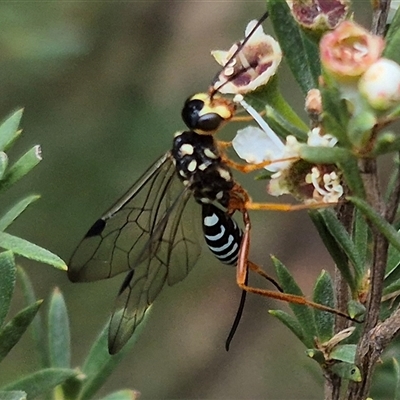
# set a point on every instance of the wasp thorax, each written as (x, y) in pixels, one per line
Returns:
(204, 114)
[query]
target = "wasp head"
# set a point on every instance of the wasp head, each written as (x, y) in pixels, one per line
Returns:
(205, 113)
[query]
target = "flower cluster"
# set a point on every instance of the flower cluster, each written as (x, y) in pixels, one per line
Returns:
(243, 72)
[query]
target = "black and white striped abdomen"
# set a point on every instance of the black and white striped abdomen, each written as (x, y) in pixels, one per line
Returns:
(222, 234)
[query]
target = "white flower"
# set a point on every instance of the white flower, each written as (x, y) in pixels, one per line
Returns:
(315, 139)
(332, 189)
(255, 63)
(259, 144)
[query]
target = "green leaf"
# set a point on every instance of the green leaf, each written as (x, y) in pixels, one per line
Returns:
(360, 128)
(347, 371)
(29, 250)
(323, 155)
(11, 333)
(59, 332)
(316, 355)
(323, 294)
(343, 238)
(270, 96)
(335, 116)
(3, 164)
(7, 283)
(291, 322)
(37, 330)
(303, 314)
(392, 266)
(344, 352)
(99, 364)
(41, 382)
(393, 39)
(386, 142)
(392, 288)
(123, 395)
(332, 246)
(9, 217)
(9, 129)
(301, 54)
(21, 167)
(14, 395)
(282, 127)
(361, 237)
(380, 223)
(352, 176)
(397, 377)
(355, 309)
(72, 387)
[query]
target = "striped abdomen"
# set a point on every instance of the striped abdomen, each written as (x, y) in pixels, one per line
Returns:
(222, 234)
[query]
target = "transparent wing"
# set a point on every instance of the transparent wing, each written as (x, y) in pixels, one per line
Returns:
(175, 250)
(150, 233)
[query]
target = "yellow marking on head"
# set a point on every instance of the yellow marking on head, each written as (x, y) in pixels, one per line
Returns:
(216, 105)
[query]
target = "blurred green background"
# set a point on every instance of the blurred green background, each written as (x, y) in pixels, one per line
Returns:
(103, 84)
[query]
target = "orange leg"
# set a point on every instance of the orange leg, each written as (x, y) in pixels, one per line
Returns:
(246, 168)
(249, 205)
(242, 271)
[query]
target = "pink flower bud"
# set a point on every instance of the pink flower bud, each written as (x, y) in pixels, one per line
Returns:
(349, 50)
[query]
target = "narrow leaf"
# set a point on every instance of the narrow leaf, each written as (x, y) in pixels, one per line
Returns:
(343, 238)
(3, 164)
(282, 127)
(303, 314)
(386, 142)
(323, 155)
(38, 333)
(99, 364)
(393, 39)
(344, 352)
(11, 333)
(29, 250)
(336, 115)
(323, 294)
(9, 128)
(301, 55)
(392, 266)
(316, 355)
(352, 176)
(9, 217)
(355, 309)
(7, 283)
(291, 323)
(397, 377)
(59, 332)
(271, 96)
(14, 395)
(380, 223)
(123, 395)
(21, 167)
(41, 382)
(332, 246)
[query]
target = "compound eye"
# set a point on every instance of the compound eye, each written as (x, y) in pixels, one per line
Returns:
(209, 122)
(191, 111)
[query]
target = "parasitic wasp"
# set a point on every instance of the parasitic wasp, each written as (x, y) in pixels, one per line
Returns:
(149, 233)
